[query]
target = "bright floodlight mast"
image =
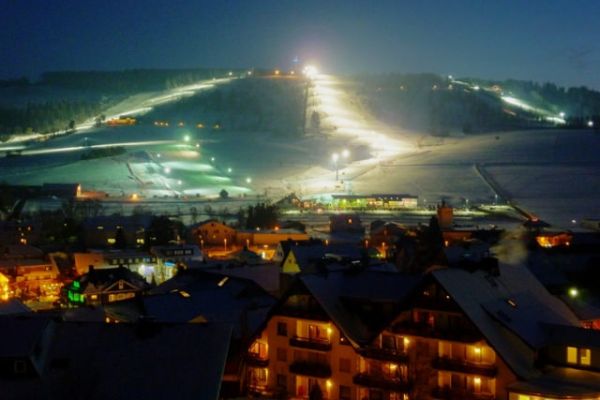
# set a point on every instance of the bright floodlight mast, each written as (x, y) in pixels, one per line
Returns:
(335, 158)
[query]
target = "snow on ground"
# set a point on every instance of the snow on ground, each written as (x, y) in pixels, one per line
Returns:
(553, 174)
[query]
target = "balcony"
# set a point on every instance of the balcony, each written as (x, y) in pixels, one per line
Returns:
(310, 343)
(258, 389)
(464, 366)
(464, 335)
(381, 381)
(384, 354)
(311, 368)
(448, 393)
(255, 360)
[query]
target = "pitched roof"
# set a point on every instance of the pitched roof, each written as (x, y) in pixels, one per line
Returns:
(124, 361)
(216, 297)
(350, 299)
(20, 334)
(474, 291)
(102, 278)
(571, 336)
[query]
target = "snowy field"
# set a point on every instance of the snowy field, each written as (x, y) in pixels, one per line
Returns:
(553, 174)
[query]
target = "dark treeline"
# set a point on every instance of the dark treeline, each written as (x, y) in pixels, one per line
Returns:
(102, 89)
(129, 81)
(248, 104)
(45, 117)
(18, 82)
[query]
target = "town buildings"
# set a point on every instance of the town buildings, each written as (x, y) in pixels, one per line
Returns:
(449, 334)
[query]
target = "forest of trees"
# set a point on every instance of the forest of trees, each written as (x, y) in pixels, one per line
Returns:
(45, 117)
(129, 81)
(102, 89)
(249, 104)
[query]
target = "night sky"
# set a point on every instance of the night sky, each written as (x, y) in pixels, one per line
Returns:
(541, 40)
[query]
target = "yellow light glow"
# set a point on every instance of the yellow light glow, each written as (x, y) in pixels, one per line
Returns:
(477, 350)
(329, 384)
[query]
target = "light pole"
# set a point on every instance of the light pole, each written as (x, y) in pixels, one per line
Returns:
(335, 157)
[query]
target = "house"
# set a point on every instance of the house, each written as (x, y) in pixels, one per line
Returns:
(311, 335)
(106, 285)
(138, 261)
(283, 248)
(307, 258)
(45, 358)
(374, 201)
(30, 277)
(168, 258)
(103, 231)
(194, 296)
(349, 223)
(453, 334)
(213, 233)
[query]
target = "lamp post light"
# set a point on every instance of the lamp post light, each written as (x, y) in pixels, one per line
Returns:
(335, 157)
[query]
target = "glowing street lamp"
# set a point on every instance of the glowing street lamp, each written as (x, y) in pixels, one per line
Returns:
(186, 138)
(167, 170)
(229, 170)
(590, 124)
(248, 180)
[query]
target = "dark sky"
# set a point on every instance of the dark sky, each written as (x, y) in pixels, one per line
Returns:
(542, 40)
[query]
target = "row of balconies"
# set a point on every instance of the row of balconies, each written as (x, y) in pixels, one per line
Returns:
(468, 367)
(381, 381)
(449, 393)
(425, 330)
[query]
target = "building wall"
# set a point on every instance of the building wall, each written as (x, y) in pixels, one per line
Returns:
(214, 233)
(341, 358)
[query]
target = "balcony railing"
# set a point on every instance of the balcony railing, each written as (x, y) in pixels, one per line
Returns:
(384, 354)
(464, 335)
(458, 365)
(381, 381)
(448, 393)
(258, 389)
(254, 359)
(310, 343)
(311, 368)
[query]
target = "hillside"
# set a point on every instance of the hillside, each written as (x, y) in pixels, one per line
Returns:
(444, 105)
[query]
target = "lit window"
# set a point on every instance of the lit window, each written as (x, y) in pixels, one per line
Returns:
(585, 356)
(111, 240)
(572, 355)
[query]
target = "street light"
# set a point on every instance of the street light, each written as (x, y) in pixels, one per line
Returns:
(229, 170)
(248, 180)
